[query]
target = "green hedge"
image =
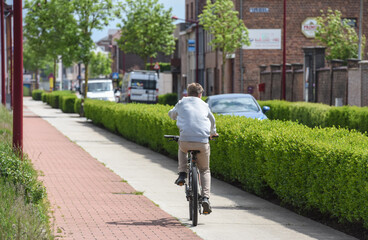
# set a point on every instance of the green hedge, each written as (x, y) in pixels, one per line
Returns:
(318, 115)
(68, 102)
(163, 66)
(55, 98)
(45, 97)
(37, 94)
(325, 169)
(78, 105)
(169, 99)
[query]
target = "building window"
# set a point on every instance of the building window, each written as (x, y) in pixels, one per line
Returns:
(187, 12)
(191, 10)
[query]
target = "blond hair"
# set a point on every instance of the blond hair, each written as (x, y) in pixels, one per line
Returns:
(194, 89)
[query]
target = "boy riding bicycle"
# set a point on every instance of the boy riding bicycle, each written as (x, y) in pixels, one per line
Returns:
(196, 124)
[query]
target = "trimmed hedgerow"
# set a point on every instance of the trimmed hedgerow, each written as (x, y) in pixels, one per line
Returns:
(169, 99)
(67, 103)
(320, 168)
(318, 115)
(37, 94)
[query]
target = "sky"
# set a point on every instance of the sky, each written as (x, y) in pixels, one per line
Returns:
(178, 9)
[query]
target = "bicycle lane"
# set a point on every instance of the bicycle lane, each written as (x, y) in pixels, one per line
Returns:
(88, 200)
(236, 214)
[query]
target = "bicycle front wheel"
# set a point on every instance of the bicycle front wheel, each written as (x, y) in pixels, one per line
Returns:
(195, 196)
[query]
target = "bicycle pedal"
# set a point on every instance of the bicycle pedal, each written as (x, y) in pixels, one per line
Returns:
(180, 184)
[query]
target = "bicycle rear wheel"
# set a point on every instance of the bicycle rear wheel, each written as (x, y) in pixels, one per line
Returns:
(194, 196)
(189, 194)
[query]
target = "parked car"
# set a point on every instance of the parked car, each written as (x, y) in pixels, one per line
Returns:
(238, 105)
(100, 89)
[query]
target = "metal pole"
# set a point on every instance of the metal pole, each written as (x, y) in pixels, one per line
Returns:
(360, 30)
(284, 57)
(3, 91)
(18, 78)
(241, 52)
(197, 51)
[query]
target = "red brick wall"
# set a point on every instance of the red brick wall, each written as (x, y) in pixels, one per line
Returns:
(297, 12)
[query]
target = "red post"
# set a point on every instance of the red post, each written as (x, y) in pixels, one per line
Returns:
(18, 78)
(197, 51)
(284, 57)
(3, 92)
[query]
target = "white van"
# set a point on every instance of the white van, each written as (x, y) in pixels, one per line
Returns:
(100, 89)
(140, 86)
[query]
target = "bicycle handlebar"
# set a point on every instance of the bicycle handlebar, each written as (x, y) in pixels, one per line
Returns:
(176, 138)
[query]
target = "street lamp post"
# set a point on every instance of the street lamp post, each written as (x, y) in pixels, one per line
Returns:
(197, 43)
(18, 78)
(284, 57)
(3, 96)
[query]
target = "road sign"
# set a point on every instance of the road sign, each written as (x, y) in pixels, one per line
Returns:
(115, 75)
(191, 45)
(157, 66)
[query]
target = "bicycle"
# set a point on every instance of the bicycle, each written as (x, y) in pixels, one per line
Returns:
(193, 187)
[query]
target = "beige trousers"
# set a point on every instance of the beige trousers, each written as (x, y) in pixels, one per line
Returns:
(203, 162)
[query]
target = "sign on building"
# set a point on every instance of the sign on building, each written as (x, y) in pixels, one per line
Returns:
(309, 27)
(264, 39)
(191, 45)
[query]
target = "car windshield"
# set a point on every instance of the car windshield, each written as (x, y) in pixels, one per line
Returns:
(99, 86)
(231, 105)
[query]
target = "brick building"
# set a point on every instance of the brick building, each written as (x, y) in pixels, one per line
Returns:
(264, 19)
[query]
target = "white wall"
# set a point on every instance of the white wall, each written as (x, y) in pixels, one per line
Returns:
(165, 83)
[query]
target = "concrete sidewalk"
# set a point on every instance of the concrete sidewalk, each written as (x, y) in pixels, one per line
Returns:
(92, 202)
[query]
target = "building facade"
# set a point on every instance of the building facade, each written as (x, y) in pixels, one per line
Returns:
(264, 20)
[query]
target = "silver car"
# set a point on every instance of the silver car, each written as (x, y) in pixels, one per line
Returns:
(238, 105)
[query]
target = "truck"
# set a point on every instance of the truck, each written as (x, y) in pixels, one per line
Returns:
(140, 86)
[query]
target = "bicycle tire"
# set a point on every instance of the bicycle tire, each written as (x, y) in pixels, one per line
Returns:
(189, 194)
(195, 199)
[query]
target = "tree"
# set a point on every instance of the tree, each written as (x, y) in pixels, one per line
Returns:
(100, 64)
(61, 32)
(35, 50)
(50, 31)
(146, 28)
(341, 40)
(91, 14)
(221, 20)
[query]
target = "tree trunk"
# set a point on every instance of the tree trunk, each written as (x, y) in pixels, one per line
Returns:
(223, 72)
(54, 80)
(37, 80)
(85, 80)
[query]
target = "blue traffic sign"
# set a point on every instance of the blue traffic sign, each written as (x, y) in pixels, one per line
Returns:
(115, 75)
(191, 45)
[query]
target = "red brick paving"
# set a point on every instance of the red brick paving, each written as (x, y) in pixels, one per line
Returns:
(88, 200)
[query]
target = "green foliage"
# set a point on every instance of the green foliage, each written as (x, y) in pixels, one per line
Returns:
(318, 115)
(169, 99)
(55, 98)
(146, 29)
(37, 95)
(68, 102)
(100, 64)
(163, 66)
(78, 105)
(341, 40)
(91, 15)
(23, 208)
(325, 169)
(45, 97)
(221, 20)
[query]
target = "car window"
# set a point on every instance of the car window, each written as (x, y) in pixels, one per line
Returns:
(99, 86)
(143, 84)
(230, 105)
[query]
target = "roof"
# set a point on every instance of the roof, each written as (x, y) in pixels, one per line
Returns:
(230, 95)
